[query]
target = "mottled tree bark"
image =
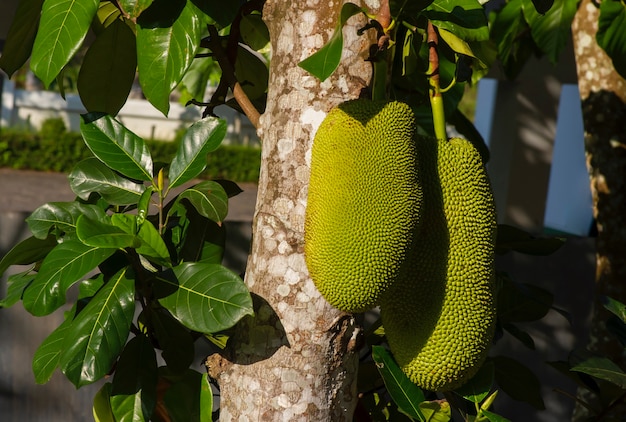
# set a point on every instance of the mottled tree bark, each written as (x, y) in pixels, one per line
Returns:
(603, 99)
(297, 358)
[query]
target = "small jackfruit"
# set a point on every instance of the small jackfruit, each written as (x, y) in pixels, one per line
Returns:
(363, 201)
(439, 317)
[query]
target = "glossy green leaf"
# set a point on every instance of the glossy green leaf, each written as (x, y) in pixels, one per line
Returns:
(62, 29)
(551, 31)
(28, 251)
(134, 393)
(108, 70)
(479, 386)
(16, 284)
(134, 7)
(492, 417)
(517, 381)
(48, 354)
(323, 63)
(92, 175)
(206, 399)
(21, 36)
(152, 244)
(604, 369)
(404, 393)
(209, 199)
(102, 411)
(252, 73)
(222, 12)
(511, 238)
(615, 307)
(465, 18)
(60, 215)
(208, 297)
(63, 267)
(116, 146)
(204, 240)
(254, 32)
(611, 36)
(436, 411)
(99, 332)
(166, 49)
(511, 35)
(106, 15)
(104, 234)
(182, 399)
(201, 138)
(174, 340)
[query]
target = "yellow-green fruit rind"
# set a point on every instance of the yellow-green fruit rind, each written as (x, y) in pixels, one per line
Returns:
(439, 318)
(363, 201)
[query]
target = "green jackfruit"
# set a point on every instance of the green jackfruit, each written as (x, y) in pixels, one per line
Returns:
(363, 201)
(439, 317)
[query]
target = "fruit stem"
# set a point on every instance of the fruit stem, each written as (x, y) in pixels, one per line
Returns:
(436, 101)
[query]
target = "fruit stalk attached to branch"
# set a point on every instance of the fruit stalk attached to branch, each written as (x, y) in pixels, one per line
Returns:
(436, 101)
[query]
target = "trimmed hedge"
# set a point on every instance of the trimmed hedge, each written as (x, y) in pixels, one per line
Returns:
(54, 149)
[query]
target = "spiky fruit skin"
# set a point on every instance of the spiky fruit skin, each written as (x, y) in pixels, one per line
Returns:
(363, 201)
(439, 318)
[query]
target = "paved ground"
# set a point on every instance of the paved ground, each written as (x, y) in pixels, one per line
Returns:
(24, 191)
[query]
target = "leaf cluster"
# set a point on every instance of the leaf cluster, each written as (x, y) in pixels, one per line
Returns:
(147, 270)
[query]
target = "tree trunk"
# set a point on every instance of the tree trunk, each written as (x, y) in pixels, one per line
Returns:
(603, 99)
(297, 358)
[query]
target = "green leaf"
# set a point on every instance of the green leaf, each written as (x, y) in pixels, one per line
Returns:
(28, 251)
(404, 393)
(208, 297)
(614, 306)
(117, 147)
(254, 32)
(48, 354)
(511, 238)
(106, 15)
(201, 138)
(323, 63)
(204, 240)
(206, 399)
(464, 18)
(611, 36)
(478, 388)
(152, 245)
(518, 381)
(63, 267)
(542, 6)
(108, 70)
(92, 175)
(99, 332)
(166, 49)
(492, 417)
(134, 392)
(104, 234)
(252, 73)
(60, 215)
(436, 411)
(62, 29)
(182, 399)
(134, 7)
(21, 36)
(222, 12)
(604, 369)
(209, 199)
(102, 411)
(551, 31)
(16, 284)
(174, 340)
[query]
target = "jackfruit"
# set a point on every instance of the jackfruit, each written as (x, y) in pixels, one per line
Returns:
(439, 318)
(363, 201)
